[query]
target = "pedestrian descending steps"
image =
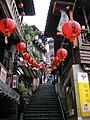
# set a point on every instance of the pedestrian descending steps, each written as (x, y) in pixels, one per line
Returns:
(44, 105)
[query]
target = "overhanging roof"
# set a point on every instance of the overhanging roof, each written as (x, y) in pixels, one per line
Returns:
(27, 71)
(8, 91)
(53, 20)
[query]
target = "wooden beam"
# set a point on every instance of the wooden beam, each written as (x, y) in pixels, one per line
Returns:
(58, 5)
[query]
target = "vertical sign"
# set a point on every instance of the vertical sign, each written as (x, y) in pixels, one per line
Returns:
(3, 74)
(14, 81)
(84, 93)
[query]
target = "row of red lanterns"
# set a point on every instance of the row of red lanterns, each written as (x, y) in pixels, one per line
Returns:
(7, 27)
(21, 47)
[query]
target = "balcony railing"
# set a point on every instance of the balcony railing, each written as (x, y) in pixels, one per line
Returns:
(84, 47)
(15, 15)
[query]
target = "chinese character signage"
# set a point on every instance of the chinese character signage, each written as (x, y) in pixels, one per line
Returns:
(3, 73)
(84, 93)
(14, 81)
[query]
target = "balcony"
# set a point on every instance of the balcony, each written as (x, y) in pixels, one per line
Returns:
(84, 48)
(11, 5)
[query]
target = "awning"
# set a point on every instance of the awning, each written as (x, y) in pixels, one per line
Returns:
(26, 70)
(8, 91)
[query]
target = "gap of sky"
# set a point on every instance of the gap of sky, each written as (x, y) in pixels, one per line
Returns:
(39, 19)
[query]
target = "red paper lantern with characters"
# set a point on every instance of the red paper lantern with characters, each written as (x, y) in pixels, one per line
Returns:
(71, 29)
(21, 47)
(7, 26)
(62, 54)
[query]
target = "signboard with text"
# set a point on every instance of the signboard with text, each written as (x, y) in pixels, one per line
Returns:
(3, 74)
(14, 81)
(84, 93)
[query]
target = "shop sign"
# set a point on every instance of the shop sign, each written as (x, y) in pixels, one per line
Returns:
(14, 81)
(3, 74)
(84, 94)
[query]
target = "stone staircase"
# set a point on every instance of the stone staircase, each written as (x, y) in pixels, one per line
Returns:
(44, 105)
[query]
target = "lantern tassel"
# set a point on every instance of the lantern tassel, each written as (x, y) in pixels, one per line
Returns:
(6, 39)
(74, 41)
(7, 34)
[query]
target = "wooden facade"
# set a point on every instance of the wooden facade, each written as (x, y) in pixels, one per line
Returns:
(9, 96)
(78, 56)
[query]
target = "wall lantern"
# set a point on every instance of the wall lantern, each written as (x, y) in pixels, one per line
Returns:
(21, 47)
(62, 54)
(7, 26)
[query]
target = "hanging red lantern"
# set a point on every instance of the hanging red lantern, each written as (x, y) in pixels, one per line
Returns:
(30, 60)
(20, 5)
(56, 61)
(21, 47)
(41, 65)
(22, 13)
(37, 66)
(62, 54)
(34, 63)
(71, 29)
(7, 26)
(26, 56)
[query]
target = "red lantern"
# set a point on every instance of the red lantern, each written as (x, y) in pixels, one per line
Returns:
(20, 5)
(22, 13)
(30, 60)
(56, 61)
(26, 56)
(71, 29)
(62, 54)
(7, 26)
(37, 65)
(21, 47)
(41, 65)
(34, 63)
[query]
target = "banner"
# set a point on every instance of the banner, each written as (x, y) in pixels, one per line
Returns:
(84, 94)
(3, 73)
(15, 81)
(63, 19)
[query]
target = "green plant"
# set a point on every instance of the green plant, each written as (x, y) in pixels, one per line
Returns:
(22, 89)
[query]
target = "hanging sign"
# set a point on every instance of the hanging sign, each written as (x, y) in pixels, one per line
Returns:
(84, 94)
(63, 19)
(3, 73)
(14, 81)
